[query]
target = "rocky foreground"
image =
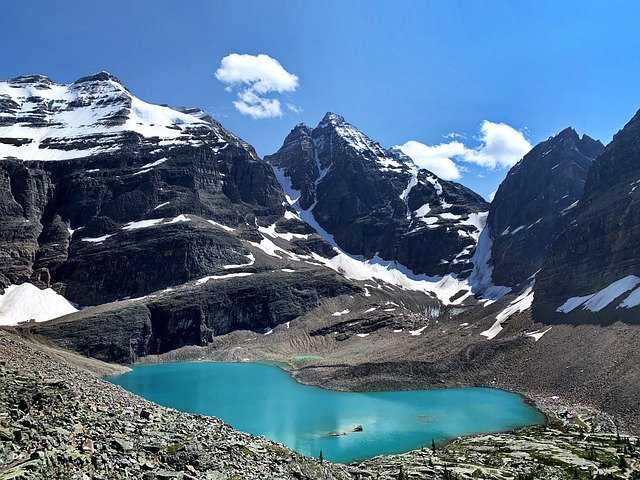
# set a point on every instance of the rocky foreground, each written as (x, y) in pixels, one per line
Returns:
(58, 419)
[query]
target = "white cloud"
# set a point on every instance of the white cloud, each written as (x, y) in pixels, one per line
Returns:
(500, 146)
(294, 108)
(257, 107)
(454, 135)
(254, 76)
(437, 158)
(492, 195)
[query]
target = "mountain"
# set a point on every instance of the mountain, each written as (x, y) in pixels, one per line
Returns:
(92, 178)
(374, 202)
(151, 213)
(532, 205)
(593, 269)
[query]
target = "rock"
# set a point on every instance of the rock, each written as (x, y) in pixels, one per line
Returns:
(6, 435)
(146, 415)
(601, 244)
(377, 202)
(168, 475)
(88, 446)
(121, 444)
(532, 205)
(193, 316)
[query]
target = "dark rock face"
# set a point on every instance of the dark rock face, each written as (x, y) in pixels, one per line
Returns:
(377, 202)
(132, 216)
(533, 203)
(602, 242)
(193, 315)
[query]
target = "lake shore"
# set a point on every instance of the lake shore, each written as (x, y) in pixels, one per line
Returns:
(111, 425)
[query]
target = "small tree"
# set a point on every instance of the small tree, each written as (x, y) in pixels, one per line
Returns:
(321, 457)
(623, 463)
(433, 446)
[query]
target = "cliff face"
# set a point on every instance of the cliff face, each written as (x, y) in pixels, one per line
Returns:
(192, 314)
(374, 201)
(533, 204)
(129, 202)
(598, 253)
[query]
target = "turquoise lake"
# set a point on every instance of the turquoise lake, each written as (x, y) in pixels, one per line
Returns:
(265, 400)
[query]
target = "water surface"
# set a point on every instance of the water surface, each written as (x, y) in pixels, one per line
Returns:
(265, 400)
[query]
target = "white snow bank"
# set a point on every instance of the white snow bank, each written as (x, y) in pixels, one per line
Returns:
(338, 314)
(179, 218)
(142, 224)
(96, 239)
(224, 227)
(356, 267)
(602, 298)
(633, 300)
(537, 335)
(520, 304)
(251, 259)
(362, 335)
(21, 303)
(204, 280)
(415, 333)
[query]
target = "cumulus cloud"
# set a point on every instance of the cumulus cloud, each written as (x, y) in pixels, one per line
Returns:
(253, 77)
(500, 146)
(437, 158)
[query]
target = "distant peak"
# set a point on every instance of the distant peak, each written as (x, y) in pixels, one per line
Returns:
(24, 79)
(99, 77)
(569, 131)
(331, 117)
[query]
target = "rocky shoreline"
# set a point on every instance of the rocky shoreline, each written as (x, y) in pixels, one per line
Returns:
(59, 419)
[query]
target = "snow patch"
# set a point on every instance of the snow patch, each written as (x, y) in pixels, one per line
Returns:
(21, 303)
(251, 261)
(339, 314)
(219, 225)
(204, 280)
(179, 218)
(142, 224)
(521, 303)
(415, 333)
(96, 239)
(602, 298)
(537, 335)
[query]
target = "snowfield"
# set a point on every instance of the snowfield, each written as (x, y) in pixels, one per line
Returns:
(22, 303)
(603, 298)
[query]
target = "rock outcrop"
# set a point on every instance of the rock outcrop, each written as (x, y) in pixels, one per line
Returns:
(377, 202)
(533, 204)
(600, 247)
(193, 314)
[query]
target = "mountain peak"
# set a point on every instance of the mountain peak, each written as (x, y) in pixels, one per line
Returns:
(101, 76)
(567, 132)
(26, 79)
(331, 118)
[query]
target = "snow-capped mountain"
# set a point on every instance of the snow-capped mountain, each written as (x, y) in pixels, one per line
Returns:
(43, 120)
(534, 202)
(375, 202)
(128, 178)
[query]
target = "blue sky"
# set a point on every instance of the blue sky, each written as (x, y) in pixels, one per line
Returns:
(399, 70)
